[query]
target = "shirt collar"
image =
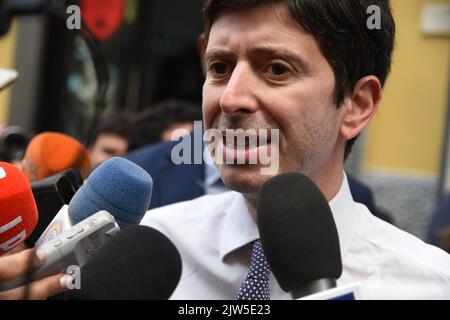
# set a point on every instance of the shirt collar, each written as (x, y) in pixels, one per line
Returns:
(212, 174)
(239, 228)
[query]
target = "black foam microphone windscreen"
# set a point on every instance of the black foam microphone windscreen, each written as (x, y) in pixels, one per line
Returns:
(298, 232)
(139, 263)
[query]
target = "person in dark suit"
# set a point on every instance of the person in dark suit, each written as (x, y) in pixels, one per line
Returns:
(171, 183)
(439, 230)
(362, 194)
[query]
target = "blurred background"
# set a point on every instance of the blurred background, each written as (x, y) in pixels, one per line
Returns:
(142, 52)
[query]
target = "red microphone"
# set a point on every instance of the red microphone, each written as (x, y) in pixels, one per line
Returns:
(18, 211)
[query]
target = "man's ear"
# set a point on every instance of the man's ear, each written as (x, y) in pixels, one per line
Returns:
(201, 47)
(360, 106)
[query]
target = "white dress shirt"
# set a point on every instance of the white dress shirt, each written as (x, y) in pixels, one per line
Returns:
(213, 181)
(213, 235)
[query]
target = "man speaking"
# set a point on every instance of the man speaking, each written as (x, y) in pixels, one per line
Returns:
(306, 77)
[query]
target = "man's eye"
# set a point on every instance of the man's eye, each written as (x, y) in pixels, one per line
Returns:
(277, 69)
(219, 69)
(111, 152)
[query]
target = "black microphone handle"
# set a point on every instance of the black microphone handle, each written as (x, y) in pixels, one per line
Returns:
(313, 287)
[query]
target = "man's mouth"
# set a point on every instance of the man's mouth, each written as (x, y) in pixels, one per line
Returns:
(242, 140)
(245, 143)
(243, 147)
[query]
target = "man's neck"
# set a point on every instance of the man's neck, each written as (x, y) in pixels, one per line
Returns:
(251, 202)
(329, 185)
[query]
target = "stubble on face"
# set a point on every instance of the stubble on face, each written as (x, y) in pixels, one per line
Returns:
(302, 109)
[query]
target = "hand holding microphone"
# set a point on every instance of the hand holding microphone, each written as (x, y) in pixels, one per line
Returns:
(14, 266)
(18, 218)
(72, 249)
(118, 186)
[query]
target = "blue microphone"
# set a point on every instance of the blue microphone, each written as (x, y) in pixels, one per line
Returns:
(118, 186)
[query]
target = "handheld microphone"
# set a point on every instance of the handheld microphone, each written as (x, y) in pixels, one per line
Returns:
(72, 248)
(14, 140)
(18, 211)
(51, 194)
(50, 153)
(299, 235)
(60, 223)
(118, 186)
(138, 263)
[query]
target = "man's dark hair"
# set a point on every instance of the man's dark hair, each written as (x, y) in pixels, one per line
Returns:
(119, 123)
(340, 27)
(152, 122)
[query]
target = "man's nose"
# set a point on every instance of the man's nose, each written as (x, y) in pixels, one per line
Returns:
(240, 92)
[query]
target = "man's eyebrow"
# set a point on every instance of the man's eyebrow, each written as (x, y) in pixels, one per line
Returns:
(214, 53)
(283, 53)
(265, 50)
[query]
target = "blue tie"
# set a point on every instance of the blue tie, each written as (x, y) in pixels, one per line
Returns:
(256, 285)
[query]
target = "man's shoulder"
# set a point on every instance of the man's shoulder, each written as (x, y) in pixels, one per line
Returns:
(146, 153)
(400, 247)
(203, 207)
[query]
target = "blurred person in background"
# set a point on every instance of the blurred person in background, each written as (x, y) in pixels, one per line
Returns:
(158, 123)
(439, 229)
(118, 133)
(445, 239)
(110, 136)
